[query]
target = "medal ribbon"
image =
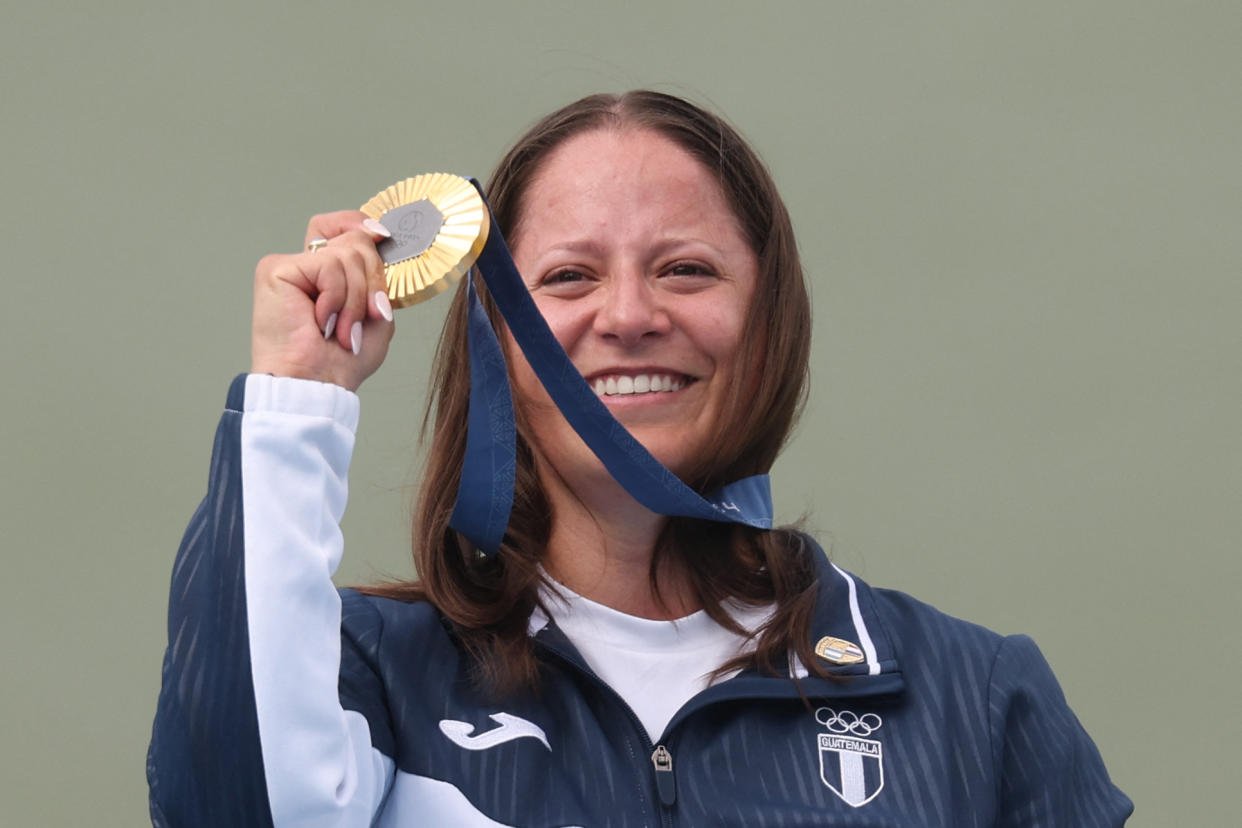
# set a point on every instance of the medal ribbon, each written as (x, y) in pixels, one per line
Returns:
(485, 493)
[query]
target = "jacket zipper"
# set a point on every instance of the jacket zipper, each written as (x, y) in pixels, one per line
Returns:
(666, 783)
(661, 759)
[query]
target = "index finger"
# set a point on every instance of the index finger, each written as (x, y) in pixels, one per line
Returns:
(331, 225)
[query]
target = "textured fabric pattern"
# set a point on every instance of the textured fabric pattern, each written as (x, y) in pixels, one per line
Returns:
(204, 765)
(485, 491)
(944, 723)
(972, 730)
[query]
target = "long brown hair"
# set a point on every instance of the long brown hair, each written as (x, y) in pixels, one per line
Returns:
(488, 601)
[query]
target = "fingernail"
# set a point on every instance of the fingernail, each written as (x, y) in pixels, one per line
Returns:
(383, 305)
(355, 337)
(375, 227)
(329, 327)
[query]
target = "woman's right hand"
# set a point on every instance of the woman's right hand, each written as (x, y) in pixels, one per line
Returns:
(324, 314)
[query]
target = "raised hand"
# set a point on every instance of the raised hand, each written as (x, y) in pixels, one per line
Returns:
(323, 314)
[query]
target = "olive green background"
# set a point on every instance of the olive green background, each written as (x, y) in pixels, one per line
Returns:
(1020, 221)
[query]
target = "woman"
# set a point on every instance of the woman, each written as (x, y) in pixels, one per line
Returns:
(610, 666)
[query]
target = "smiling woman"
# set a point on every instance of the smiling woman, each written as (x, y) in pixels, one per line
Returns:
(609, 665)
(653, 241)
(641, 270)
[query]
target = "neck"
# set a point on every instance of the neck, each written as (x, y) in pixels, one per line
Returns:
(601, 547)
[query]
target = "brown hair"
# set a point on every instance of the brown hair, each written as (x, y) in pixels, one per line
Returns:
(489, 600)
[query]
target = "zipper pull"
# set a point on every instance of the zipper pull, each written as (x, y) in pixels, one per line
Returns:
(665, 784)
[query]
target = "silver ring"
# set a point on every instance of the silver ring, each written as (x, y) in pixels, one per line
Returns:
(315, 245)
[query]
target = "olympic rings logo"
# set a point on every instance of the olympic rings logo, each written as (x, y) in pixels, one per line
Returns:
(848, 722)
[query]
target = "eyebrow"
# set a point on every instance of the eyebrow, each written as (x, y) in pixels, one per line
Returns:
(580, 246)
(590, 247)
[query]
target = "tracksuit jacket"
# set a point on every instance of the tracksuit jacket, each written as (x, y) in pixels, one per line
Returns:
(287, 702)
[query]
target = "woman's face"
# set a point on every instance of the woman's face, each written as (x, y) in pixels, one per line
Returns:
(640, 268)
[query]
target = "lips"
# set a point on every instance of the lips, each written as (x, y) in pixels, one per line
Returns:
(618, 385)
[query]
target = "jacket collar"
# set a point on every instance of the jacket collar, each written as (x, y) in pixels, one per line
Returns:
(845, 610)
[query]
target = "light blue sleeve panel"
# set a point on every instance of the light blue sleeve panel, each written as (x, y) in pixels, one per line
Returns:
(249, 728)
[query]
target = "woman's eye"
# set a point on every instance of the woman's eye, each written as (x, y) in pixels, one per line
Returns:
(562, 277)
(690, 269)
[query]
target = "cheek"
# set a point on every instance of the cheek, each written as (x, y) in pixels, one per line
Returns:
(566, 320)
(719, 333)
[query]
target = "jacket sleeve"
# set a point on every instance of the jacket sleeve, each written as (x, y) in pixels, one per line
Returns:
(1050, 771)
(249, 728)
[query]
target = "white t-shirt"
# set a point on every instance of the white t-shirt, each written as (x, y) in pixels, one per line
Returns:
(655, 666)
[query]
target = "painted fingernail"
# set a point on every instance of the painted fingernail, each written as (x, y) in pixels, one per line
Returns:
(355, 337)
(383, 305)
(329, 327)
(375, 227)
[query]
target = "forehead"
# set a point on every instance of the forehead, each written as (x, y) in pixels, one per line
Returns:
(629, 178)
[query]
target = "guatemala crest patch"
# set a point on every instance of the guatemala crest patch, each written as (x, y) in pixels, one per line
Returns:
(851, 765)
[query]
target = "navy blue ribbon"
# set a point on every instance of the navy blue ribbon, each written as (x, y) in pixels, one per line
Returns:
(485, 493)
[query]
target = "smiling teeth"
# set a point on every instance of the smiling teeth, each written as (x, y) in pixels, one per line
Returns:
(641, 384)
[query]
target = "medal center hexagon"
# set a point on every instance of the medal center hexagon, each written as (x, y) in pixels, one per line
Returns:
(414, 228)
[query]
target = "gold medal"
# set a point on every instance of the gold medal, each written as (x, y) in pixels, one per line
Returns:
(439, 225)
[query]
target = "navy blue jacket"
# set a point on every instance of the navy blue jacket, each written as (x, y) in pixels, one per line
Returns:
(286, 702)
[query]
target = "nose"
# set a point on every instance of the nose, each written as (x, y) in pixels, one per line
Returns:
(632, 310)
